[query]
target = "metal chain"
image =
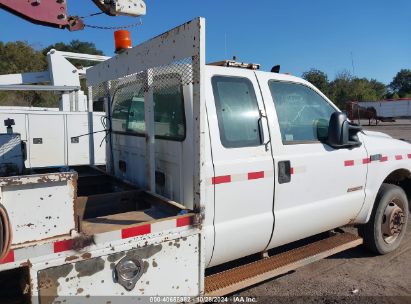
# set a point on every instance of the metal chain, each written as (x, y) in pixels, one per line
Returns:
(91, 15)
(114, 27)
(140, 22)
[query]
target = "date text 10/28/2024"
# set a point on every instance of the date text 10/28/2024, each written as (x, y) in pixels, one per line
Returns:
(205, 299)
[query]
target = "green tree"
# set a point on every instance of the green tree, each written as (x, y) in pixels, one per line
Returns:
(20, 57)
(380, 89)
(318, 79)
(76, 46)
(346, 87)
(340, 88)
(401, 84)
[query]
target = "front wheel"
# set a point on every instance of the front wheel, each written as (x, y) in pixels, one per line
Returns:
(386, 228)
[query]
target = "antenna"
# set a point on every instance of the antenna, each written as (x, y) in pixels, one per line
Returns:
(225, 45)
(352, 64)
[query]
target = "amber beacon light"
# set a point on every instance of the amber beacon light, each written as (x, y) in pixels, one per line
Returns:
(122, 40)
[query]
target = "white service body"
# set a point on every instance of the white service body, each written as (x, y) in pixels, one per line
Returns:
(48, 135)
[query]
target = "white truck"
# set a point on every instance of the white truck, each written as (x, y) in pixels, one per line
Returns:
(77, 135)
(207, 164)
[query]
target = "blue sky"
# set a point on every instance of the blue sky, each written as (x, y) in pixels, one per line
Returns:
(299, 35)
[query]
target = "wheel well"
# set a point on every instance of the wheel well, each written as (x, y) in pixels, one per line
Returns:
(401, 178)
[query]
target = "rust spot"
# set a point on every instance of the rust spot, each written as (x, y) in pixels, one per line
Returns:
(48, 281)
(80, 290)
(86, 255)
(26, 264)
(155, 263)
(146, 252)
(89, 267)
(145, 266)
(83, 241)
(115, 257)
(71, 258)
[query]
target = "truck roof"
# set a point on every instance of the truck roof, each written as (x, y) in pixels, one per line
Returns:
(275, 76)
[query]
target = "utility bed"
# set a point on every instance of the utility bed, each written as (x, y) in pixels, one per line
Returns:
(105, 203)
(123, 236)
(104, 218)
(80, 202)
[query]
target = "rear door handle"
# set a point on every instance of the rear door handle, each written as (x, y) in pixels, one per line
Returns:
(261, 131)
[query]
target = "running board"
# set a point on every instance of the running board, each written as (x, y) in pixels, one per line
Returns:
(238, 278)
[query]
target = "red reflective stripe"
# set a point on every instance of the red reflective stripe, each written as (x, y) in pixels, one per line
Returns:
(184, 221)
(349, 163)
(291, 171)
(9, 258)
(135, 231)
(256, 175)
(63, 246)
(366, 161)
(409, 156)
(384, 159)
(221, 179)
(398, 157)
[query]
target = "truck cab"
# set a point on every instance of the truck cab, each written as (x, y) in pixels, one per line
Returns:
(272, 174)
(277, 176)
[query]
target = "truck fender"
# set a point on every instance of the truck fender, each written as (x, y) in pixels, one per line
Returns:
(400, 177)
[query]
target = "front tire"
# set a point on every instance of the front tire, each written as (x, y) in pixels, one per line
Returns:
(388, 222)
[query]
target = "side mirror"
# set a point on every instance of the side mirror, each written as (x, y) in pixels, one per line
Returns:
(342, 133)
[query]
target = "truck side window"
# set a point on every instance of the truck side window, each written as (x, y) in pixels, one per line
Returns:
(169, 117)
(237, 111)
(303, 115)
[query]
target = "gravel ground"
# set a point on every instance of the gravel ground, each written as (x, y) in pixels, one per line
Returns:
(353, 276)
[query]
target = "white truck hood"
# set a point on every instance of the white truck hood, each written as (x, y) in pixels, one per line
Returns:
(384, 143)
(376, 134)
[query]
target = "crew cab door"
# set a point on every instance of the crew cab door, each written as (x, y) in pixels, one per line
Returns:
(318, 188)
(243, 166)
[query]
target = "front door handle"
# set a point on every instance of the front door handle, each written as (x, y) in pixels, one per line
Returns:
(284, 171)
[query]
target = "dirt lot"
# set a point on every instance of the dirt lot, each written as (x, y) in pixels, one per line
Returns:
(354, 276)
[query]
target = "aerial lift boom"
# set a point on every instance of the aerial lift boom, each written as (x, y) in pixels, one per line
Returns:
(53, 13)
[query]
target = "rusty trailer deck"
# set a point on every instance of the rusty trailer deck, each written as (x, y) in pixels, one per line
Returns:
(238, 278)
